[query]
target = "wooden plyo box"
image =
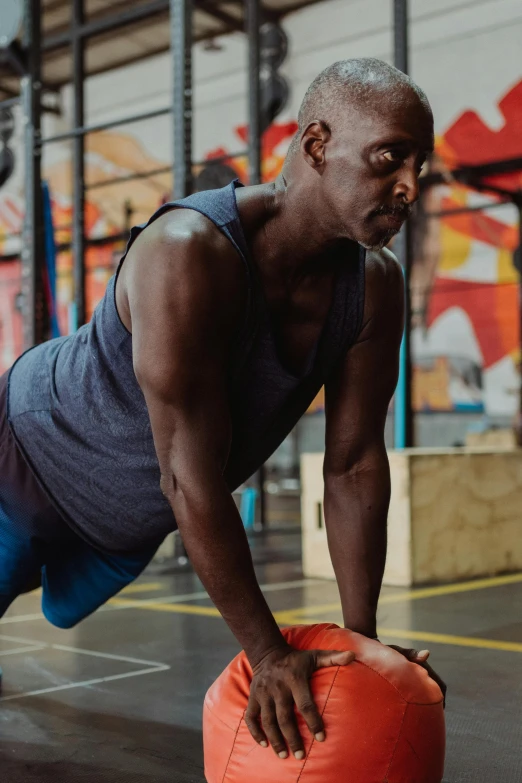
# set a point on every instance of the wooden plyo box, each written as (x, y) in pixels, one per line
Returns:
(454, 514)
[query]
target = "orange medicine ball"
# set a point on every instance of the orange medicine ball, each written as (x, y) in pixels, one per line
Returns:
(383, 716)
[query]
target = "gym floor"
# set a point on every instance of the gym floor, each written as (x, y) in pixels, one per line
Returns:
(119, 698)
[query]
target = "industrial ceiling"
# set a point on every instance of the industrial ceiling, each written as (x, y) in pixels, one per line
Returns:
(140, 29)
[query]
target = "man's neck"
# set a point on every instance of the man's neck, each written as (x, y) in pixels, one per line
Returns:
(285, 233)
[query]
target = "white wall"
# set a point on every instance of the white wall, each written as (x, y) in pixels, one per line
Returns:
(463, 54)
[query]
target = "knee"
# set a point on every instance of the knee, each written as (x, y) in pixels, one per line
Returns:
(60, 619)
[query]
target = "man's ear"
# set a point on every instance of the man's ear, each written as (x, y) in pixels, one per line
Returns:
(313, 143)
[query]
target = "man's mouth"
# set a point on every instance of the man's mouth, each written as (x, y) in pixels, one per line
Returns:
(395, 220)
(395, 217)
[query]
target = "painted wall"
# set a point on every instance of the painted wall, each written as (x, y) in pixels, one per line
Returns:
(465, 55)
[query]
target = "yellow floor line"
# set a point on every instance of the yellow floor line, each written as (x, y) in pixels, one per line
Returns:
(300, 614)
(459, 587)
(416, 595)
(288, 618)
(283, 618)
(458, 641)
(295, 618)
(207, 611)
(144, 587)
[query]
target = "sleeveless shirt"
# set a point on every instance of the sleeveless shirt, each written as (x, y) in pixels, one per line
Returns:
(80, 419)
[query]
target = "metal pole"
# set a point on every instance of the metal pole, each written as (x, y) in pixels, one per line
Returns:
(108, 23)
(83, 130)
(253, 23)
(402, 247)
(181, 44)
(78, 164)
(33, 259)
(400, 35)
(181, 47)
(254, 91)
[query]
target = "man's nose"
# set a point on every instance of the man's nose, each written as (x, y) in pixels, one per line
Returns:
(407, 187)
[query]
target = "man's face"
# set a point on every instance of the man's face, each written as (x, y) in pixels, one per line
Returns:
(372, 168)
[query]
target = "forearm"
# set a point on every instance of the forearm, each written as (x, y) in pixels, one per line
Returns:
(356, 510)
(214, 537)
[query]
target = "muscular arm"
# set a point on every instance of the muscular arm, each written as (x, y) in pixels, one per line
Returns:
(184, 290)
(356, 470)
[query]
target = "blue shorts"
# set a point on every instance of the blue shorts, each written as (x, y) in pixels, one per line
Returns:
(36, 543)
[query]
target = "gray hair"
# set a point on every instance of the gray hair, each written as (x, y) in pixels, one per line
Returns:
(364, 82)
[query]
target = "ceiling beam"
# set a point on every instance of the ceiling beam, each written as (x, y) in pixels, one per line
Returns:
(8, 91)
(121, 16)
(213, 10)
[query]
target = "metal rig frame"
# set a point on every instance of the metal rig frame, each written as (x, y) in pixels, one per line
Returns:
(181, 109)
(474, 176)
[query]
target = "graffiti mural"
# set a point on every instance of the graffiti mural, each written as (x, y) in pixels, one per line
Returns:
(464, 281)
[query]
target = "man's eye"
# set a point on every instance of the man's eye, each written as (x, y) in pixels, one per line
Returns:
(392, 155)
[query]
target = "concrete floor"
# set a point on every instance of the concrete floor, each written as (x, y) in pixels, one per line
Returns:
(119, 698)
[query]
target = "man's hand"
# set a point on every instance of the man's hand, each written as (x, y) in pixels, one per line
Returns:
(281, 682)
(421, 659)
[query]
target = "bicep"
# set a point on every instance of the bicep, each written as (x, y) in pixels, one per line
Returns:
(359, 393)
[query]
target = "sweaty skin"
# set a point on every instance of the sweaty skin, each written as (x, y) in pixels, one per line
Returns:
(181, 292)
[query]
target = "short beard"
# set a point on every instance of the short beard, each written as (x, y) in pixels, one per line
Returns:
(383, 242)
(402, 211)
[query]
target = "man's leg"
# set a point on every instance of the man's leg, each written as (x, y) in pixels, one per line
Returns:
(79, 579)
(20, 566)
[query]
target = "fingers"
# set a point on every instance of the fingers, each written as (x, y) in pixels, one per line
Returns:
(415, 656)
(272, 730)
(252, 716)
(305, 704)
(440, 682)
(324, 658)
(412, 655)
(420, 658)
(287, 723)
(281, 685)
(278, 726)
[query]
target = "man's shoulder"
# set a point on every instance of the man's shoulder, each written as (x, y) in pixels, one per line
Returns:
(383, 265)
(182, 228)
(383, 274)
(183, 245)
(384, 286)
(182, 260)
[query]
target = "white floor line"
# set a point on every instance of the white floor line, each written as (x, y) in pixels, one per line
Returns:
(32, 648)
(20, 618)
(109, 656)
(67, 648)
(85, 683)
(23, 640)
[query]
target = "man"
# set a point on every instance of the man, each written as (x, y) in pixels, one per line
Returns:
(229, 312)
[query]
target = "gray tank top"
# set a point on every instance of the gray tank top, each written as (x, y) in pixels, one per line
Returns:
(80, 418)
